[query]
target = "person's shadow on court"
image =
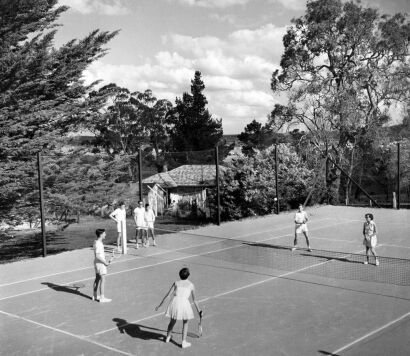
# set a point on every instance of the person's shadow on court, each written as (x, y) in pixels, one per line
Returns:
(74, 289)
(139, 331)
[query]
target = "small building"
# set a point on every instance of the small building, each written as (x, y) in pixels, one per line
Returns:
(182, 190)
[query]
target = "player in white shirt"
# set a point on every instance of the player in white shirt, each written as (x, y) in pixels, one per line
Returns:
(139, 220)
(149, 217)
(100, 266)
(301, 219)
(119, 215)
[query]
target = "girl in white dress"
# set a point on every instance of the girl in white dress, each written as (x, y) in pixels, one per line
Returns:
(370, 237)
(180, 308)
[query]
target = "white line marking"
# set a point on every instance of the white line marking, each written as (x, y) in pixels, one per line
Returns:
(164, 262)
(371, 333)
(83, 338)
(155, 254)
(390, 245)
(227, 292)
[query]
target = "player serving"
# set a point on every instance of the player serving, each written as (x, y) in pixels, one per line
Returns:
(301, 219)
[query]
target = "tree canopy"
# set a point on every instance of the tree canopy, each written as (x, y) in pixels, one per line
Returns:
(192, 126)
(343, 67)
(42, 92)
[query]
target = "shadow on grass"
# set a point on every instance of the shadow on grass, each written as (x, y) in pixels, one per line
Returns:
(28, 246)
(327, 353)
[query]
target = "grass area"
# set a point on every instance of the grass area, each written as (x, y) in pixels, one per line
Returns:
(20, 245)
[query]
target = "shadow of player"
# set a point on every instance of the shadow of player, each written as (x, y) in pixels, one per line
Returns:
(73, 289)
(139, 331)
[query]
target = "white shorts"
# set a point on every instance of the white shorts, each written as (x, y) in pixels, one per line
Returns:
(370, 241)
(100, 268)
(150, 224)
(118, 226)
(299, 228)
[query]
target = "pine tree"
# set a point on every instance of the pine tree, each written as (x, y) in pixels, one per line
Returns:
(193, 127)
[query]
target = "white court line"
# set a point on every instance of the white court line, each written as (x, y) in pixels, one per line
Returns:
(371, 333)
(390, 245)
(83, 338)
(163, 262)
(155, 254)
(225, 293)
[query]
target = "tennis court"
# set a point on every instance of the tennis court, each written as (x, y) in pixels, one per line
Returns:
(258, 297)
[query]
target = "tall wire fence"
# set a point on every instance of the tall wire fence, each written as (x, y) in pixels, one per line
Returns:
(81, 188)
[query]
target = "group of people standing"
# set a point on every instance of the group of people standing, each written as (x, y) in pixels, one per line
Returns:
(144, 218)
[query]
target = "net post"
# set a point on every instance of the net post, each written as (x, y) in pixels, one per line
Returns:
(124, 235)
(140, 171)
(276, 179)
(42, 215)
(218, 193)
(398, 175)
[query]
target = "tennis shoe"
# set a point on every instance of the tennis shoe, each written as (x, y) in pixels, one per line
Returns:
(377, 262)
(309, 249)
(293, 249)
(154, 244)
(105, 300)
(95, 298)
(168, 339)
(137, 246)
(185, 344)
(366, 262)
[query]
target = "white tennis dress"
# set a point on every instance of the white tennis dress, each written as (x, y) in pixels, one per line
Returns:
(180, 308)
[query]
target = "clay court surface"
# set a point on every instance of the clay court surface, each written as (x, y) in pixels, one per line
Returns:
(255, 303)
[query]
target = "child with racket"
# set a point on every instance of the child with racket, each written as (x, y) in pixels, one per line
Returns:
(180, 308)
(301, 219)
(100, 266)
(370, 237)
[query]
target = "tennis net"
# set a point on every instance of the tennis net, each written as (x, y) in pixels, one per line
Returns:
(259, 256)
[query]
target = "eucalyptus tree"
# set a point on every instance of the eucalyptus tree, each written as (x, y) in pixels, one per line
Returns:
(343, 66)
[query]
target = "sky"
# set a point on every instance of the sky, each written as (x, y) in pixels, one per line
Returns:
(236, 44)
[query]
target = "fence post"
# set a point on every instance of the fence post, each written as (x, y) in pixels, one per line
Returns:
(276, 179)
(398, 175)
(218, 199)
(140, 171)
(42, 215)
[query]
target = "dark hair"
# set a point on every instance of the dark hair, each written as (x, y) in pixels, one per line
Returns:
(184, 273)
(121, 203)
(99, 232)
(369, 215)
(146, 205)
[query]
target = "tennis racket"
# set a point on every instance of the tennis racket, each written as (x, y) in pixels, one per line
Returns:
(200, 324)
(115, 254)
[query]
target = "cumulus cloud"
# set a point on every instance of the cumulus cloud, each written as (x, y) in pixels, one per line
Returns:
(103, 7)
(236, 71)
(211, 3)
(294, 5)
(228, 18)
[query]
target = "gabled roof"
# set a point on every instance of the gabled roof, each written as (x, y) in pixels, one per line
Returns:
(190, 175)
(163, 179)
